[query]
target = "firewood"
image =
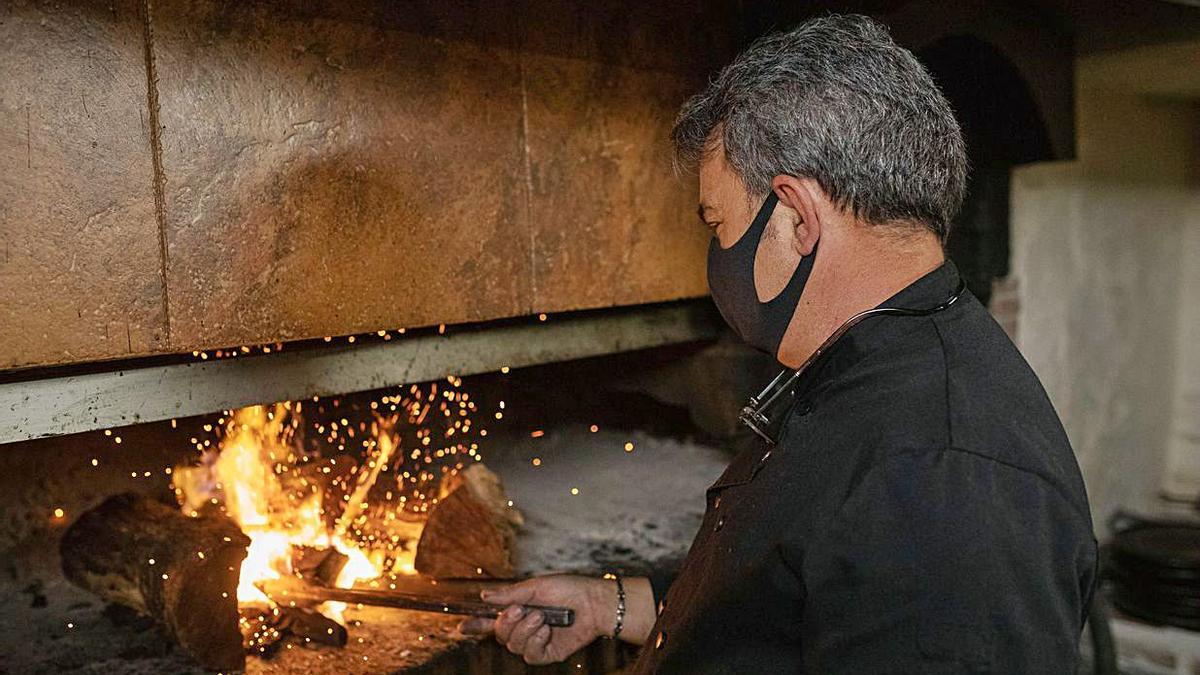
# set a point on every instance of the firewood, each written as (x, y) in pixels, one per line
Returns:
(266, 629)
(309, 625)
(263, 629)
(318, 565)
(179, 570)
(471, 530)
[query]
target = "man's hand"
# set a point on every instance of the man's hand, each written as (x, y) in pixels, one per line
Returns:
(594, 602)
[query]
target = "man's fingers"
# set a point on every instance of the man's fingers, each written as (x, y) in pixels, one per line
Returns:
(476, 626)
(514, 594)
(508, 620)
(536, 653)
(523, 631)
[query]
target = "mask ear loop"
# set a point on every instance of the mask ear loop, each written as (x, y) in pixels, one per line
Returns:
(754, 414)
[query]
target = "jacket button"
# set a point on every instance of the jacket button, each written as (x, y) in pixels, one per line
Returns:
(661, 606)
(720, 524)
(658, 641)
(717, 502)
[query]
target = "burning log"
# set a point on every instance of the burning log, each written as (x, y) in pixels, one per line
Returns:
(319, 565)
(312, 626)
(471, 530)
(264, 629)
(181, 571)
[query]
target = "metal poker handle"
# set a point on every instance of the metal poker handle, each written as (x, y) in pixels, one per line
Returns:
(286, 591)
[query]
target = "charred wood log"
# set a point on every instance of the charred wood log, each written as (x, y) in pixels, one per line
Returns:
(318, 565)
(312, 626)
(263, 630)
(181, 571)
(471, 530)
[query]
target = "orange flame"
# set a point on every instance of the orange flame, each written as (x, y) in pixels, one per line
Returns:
(245, 477)
(368, 505)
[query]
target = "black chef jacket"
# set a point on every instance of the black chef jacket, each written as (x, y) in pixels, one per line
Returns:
(922, 513)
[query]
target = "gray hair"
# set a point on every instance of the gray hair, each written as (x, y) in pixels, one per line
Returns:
(836, 100)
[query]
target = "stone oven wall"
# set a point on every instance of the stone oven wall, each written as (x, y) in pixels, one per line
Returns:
(180, 176)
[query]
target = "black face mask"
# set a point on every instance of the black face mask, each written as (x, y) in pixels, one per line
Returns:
(731, 281)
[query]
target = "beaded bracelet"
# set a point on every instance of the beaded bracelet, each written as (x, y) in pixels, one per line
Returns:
(620, 607)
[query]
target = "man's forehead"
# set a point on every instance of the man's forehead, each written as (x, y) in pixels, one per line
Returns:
(712, 166)
(712, 183)
(719, 194)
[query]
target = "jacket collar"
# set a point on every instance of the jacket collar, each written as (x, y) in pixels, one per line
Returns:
(882, 333)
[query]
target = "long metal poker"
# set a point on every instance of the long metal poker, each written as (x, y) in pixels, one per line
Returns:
(285, 592)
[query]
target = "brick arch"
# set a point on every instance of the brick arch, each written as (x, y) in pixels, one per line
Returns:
(1004, 127)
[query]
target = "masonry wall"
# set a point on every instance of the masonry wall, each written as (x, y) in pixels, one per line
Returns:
(189, 175)
(1182, 478)
(1104, 259)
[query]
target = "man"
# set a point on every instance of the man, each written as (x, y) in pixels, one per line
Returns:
(918, 508)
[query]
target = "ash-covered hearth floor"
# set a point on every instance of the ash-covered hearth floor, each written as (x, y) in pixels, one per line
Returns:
(632, 510)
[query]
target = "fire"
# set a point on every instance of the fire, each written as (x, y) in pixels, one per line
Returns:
(248, 477)
(290, 489)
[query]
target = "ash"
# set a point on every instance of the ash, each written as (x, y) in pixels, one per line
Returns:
(634, 510)
(590, 506)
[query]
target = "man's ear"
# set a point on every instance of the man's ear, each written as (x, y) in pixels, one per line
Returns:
(803, 196)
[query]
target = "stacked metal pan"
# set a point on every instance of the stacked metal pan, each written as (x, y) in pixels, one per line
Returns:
(1154, 569)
